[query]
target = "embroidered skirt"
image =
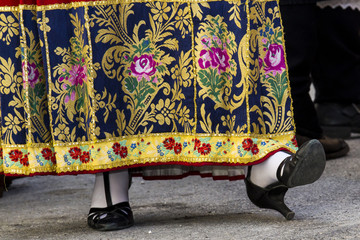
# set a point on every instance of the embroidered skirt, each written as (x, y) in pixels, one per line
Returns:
(91, 86)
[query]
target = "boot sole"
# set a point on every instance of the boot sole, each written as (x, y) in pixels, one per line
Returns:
(310, 165)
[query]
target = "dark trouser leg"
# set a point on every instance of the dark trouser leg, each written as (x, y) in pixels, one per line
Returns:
(299, 23)
(337, 71)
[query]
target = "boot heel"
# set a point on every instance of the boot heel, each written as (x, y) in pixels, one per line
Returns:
(271, 197)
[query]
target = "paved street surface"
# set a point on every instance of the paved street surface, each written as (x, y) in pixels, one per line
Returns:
(53, 207)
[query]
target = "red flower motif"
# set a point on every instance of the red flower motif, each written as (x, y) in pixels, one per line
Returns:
(123, 152)
(85, 157)
(255, 149)
(247, 144)
(197, 143)
(177, 148)
(15, 155)
(47, 153)
(75, 152)
(53, 159)
(205, 149)
(116, 147)
(1, 152)
(169, 143)
(294, 141)
(25, 160)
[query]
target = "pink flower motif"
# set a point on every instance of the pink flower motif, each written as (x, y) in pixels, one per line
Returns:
(205, 41)
(143, 67)
(33, 74)
(264, 40)
(205, 59)
(260, 63)
(220, 59)
(78, 75)
(72, 97)
(274, 59)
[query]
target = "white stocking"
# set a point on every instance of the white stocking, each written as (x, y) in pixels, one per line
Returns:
(118, 186)
(264, 174)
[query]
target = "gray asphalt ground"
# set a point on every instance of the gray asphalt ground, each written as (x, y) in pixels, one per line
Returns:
(53, 207)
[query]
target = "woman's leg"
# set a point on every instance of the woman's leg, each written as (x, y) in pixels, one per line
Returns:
(110, 209)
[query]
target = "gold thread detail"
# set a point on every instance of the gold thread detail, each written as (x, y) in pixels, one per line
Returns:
(49, 72)
(91, 78)
(23, 44)
(97, 3)
(247, 66)
(195, 75)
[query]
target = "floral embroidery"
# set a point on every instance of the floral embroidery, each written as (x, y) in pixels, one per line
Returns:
(119, 150)
(215, 46)
(160, 11)
(25, 161)
(205, 59)
(126, 76)
(76, 76)
(169, 143)
(144, 67)
(8, 28)
(85, 157)
(75, 152)
(70, 89)
(116, 148)
(18, 156)
(249, 146)
(274, 59)
(165, 111)
(183, 21)
(255, 149)
(219, 59)
(15, 155)
(47, 153)
(205, 149)
(197, 143)
(123, 152)
(294, 141)
(177, 148)
(33, 74)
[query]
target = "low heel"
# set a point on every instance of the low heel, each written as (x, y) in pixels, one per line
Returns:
(271, 197)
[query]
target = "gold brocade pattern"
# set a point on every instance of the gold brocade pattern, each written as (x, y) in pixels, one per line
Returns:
(92, 86)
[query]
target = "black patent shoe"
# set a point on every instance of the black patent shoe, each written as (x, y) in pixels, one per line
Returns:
(271, 197)
(305, 167)
(116, 217)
